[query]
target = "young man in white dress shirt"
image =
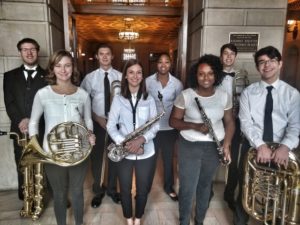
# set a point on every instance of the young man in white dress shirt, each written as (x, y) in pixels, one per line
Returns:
(228, 53)
(94, 83)
(285, 117)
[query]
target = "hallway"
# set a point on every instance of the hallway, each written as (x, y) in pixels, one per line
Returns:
(160, 209)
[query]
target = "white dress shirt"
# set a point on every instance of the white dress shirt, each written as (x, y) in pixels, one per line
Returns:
(214, 107)
(285, 115)
(58, 108)
(121, 113)
(227, 83)
(30, 68)
(169, 93)
(93, 83)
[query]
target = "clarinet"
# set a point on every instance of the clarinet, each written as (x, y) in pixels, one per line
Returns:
(212, 133)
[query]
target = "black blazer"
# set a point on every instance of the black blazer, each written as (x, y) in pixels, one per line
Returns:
(17, 98)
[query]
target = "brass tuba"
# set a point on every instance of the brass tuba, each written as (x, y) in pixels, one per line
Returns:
(270, 191)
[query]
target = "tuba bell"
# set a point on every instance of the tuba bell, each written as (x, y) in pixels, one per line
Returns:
(271, 192)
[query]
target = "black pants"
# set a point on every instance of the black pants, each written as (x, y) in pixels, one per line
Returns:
(165, 142)
(96, 161)
(144, 173)
(240, 216)
(233, 171)
(18, 153)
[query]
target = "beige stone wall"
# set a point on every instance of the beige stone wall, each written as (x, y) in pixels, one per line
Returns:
(37, 19)
(211, 22)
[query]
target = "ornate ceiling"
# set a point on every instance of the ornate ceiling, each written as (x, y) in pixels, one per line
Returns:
(101, 20)
(157, 21)
(104, 28)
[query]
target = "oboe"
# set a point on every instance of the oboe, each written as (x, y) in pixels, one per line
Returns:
(212, 133)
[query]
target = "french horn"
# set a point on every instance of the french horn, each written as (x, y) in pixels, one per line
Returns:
(68, 144)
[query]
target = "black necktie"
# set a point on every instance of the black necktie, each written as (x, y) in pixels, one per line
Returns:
(29, 78)
(268, 124)
(106, 93)
(232, 74)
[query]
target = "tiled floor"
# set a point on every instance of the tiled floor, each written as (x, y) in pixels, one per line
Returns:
(160, 209)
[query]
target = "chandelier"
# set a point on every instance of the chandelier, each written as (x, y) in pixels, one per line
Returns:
(129, 53)
(128, 33)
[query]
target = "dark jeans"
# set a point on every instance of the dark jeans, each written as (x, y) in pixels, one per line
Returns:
(198, 162)
(240, 216)
(144, 173)
(233, 171)
(63, 179)
(165, 142)
(96, 162)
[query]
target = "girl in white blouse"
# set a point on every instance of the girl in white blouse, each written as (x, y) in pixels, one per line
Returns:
(197, 154)
(133, 108)
(63, 101)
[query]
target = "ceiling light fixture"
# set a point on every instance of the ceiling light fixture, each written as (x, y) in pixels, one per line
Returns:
(128, 33)
(129, 53)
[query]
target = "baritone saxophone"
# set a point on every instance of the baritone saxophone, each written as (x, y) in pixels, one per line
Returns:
(33, 181)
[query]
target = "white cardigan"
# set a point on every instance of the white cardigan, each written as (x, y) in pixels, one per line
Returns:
(58, 108)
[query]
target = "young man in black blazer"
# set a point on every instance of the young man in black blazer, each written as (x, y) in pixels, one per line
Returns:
(20, 86)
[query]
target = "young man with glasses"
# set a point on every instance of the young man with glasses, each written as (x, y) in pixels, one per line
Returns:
(20, 86)
(263, 122)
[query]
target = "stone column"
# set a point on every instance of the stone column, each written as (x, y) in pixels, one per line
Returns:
(41, 20)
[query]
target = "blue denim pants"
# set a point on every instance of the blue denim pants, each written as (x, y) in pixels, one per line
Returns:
(198, 162)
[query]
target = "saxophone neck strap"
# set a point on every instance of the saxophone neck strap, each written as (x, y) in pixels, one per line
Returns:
(134, 110)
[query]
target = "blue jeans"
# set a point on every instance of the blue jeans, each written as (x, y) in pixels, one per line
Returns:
(198, 162)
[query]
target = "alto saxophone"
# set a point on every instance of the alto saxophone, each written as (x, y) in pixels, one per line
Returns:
(33, 185)
(117, 152)
(212, 133)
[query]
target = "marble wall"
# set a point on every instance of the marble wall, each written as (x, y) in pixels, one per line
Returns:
(37, 19)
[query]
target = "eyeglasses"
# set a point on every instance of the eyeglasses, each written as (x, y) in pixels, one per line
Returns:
(26, 50)
(265, 62)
